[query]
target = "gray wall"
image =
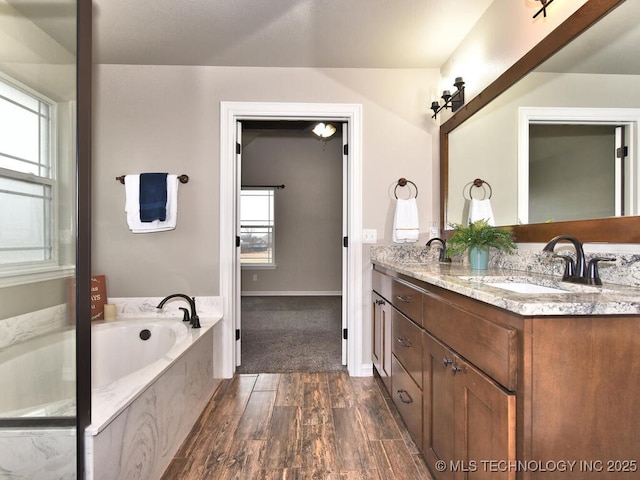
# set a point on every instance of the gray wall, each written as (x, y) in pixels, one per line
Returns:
(166, 118)
(308, 211)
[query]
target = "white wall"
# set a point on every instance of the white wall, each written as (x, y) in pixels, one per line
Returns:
(501, 37)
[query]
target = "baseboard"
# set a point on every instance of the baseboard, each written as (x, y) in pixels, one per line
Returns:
(294, 293)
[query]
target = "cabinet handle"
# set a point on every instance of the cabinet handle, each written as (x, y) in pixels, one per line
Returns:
(380, 302)
(455, 369)
(446, 362)
(407, 299)
(404, 396)
(403, 341)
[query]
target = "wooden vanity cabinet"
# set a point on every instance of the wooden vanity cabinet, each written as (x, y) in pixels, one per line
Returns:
(538, 391)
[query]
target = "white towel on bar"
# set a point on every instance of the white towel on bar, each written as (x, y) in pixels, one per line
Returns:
(481, 210)
(132, 206)
(405, 221)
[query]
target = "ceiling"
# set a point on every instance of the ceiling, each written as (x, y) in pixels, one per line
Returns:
(283, 33)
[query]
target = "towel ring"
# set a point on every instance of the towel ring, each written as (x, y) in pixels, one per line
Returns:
(402, 183)
(479, 183)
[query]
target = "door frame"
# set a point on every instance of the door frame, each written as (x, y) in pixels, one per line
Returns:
(230, 114)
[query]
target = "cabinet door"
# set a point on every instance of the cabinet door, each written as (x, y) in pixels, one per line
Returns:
(484, 426)
(438, 407)
(386, 343)
(381, 338)
(376, 332)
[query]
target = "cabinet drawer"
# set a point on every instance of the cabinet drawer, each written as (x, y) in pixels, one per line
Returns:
(407, 345)
(407, 299)
(381, 284)
(489, 346)
(407, 397)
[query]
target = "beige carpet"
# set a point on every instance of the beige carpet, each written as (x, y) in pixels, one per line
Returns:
(291, 334)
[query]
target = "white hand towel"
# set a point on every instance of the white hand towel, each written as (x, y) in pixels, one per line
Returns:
(481, 210)
(405, 221)
(132, 206)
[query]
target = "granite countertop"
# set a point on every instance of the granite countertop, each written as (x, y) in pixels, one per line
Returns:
(609, 299)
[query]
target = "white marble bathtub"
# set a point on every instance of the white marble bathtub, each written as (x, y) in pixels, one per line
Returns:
(147, 394)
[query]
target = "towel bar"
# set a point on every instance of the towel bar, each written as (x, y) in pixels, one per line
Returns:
(183, 178)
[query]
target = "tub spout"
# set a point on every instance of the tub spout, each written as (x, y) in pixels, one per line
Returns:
(193, 318)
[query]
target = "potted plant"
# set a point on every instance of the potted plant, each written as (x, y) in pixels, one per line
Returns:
(477, 238)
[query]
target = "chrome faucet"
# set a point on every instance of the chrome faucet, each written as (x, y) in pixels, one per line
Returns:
(443, 249)
(578, 271)
(193, 317)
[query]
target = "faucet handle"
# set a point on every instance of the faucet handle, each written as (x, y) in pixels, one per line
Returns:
(569, 266)
(593, 276)
(185, 314)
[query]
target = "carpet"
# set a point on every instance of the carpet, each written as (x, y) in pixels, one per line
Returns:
(291, 334)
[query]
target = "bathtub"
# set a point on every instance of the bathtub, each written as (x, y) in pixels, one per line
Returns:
(151, 379)
(146, 394)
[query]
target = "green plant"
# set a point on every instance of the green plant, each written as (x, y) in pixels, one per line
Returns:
(480, 234)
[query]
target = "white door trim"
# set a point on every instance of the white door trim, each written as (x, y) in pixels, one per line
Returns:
(230, 113)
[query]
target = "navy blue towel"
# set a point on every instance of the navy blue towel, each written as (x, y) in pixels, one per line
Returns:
(153, 197)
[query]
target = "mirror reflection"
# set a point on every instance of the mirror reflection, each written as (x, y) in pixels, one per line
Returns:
(594, 75)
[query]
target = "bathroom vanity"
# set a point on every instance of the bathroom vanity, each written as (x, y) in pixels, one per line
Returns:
(500, 384)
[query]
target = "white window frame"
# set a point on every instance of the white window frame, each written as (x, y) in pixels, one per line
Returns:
(28, 272)
(270, 264)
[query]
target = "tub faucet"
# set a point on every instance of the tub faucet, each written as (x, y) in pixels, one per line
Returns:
(443, 249)
(193, 318)
(577, 272)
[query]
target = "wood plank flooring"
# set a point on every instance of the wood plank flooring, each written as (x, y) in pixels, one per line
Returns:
(299, 426)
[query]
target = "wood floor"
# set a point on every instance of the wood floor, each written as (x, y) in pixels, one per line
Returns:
(299, 426)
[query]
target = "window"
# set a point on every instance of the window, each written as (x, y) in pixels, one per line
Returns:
(256, 227)
(27, 180)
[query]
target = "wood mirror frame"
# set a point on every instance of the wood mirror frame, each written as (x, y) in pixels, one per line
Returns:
(613, 229)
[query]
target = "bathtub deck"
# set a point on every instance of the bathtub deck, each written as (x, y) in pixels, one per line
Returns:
(299, 425)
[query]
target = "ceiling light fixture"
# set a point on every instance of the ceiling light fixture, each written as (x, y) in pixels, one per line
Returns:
(324, 131)
(543, 10)
(454, 102)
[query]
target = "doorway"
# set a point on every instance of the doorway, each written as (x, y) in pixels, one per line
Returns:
(291, 247)
(231, 114)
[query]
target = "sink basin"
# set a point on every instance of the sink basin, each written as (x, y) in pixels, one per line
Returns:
(517, 283)
(522, 287)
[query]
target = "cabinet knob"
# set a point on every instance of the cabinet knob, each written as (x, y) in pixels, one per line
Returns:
(404, 396)
(455, 369)
(446, 361)
(403, 341)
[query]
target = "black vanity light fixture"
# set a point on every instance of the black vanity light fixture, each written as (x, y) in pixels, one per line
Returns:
(543, 10)
(453, 101)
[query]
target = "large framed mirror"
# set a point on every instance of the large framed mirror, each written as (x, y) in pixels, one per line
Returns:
(588, 53)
